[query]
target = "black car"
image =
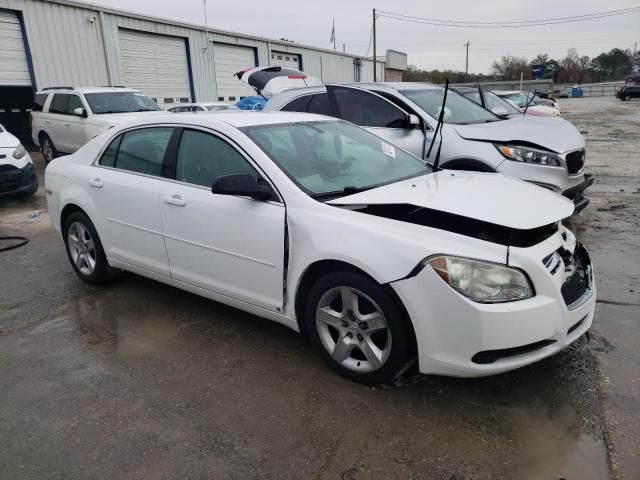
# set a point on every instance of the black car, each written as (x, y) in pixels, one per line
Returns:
(630, 89)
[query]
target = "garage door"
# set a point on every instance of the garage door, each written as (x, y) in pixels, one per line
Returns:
(157, 65)
(282, 59)
(230, 59)
(14, 69)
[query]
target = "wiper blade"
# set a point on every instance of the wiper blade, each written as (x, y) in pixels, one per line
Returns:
(348, 190)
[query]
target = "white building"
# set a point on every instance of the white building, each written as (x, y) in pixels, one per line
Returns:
(45, 43)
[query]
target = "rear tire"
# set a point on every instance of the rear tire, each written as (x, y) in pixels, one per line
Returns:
(47, 148)
(357, 327)
(84, 249)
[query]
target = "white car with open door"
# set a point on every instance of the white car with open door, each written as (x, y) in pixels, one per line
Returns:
(322, 226)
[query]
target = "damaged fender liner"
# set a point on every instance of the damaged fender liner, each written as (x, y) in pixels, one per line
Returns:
(470, 227)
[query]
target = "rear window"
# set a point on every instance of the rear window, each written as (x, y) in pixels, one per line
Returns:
(39, 101)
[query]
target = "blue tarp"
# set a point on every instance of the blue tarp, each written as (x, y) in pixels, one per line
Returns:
(251, 103)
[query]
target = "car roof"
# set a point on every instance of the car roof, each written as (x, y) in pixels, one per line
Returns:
(86, 89)
(238, 119)
(507, 92)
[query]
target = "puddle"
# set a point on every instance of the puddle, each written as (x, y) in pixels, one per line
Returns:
(127, 329)
(555, 447)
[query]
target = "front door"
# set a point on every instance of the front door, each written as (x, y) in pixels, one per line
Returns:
(378, 115)
(126, 184)
(229, 245)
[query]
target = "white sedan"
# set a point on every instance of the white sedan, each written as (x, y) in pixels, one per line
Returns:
(17, 173)
(317, 224)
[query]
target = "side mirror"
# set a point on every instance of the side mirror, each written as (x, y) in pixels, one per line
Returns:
(243, 185)
(500, 111)
(80, 112)
(412, 121)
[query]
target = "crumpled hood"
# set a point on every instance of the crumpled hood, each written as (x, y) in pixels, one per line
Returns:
(553, 133)
(488, 197)
(8, 141)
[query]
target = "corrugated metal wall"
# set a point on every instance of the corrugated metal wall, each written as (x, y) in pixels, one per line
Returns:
(67, 48)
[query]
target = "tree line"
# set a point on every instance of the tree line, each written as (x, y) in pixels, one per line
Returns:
(616, 64)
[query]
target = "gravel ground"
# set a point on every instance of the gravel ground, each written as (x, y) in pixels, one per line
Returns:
(139, 380)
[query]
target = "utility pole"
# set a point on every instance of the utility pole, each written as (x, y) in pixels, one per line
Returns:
(466, 68)
(375, 57)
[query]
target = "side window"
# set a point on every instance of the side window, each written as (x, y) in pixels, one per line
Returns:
(198, 109)
(368, 110)
(143, 150)
(298, 105)
(108, 158)
(39, 101)
(203, 157)
(320, 104)
(74, 102)
(59, 103)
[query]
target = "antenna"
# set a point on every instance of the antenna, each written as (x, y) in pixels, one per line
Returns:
(439, 128)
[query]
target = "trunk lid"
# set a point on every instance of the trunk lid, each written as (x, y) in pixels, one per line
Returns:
(489, 197)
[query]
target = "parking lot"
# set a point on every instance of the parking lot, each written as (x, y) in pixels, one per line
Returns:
(140, 380)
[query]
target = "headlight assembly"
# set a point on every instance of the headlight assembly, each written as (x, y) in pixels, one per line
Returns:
(482, 282)
(19, 152)
(529, 155)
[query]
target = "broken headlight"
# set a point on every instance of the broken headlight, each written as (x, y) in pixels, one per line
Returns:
(529, 155)
(482, 282)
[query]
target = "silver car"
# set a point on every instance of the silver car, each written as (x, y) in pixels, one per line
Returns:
(549, 152)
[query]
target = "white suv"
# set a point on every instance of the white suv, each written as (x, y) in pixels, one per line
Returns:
(65, 118)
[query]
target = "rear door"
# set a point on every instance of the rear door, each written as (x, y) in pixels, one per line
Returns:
(55, 122)
(376, 114)
(125, 184)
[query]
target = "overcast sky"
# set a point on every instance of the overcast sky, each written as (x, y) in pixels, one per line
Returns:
(429, 47)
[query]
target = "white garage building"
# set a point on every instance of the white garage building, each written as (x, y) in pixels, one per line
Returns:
(45, 43)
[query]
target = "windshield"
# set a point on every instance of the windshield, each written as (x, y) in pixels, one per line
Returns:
(334, 158)
(494, 101)
(520, 99)
(120, 102)
(458, 110)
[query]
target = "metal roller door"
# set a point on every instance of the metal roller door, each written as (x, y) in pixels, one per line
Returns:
(230, 59)
(14, 69)
(283, 59)
(157, 65)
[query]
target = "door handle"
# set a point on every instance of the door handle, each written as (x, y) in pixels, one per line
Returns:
(176, 200)
(67, 124)
(96, 182)
(47, 121)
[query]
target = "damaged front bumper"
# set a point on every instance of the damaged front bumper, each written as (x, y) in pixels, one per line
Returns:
(459, 337)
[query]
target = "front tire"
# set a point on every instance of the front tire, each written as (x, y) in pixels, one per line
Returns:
(49, 152)
(360, 331)
(84, 249)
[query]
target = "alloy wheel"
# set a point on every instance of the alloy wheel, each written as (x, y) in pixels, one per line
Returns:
(47, 150)
(81, 248)
(353, 329)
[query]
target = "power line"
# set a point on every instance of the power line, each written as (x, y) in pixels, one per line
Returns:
(511, 24)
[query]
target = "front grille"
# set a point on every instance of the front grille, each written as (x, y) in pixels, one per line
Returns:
(579, 282)
(492, 356)
(11, 178)
(575, 161)
(8, 168)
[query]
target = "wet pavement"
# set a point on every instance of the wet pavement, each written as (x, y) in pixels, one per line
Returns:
(140, 380)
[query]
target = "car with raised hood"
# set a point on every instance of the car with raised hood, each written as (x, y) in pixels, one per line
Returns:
(548, 153)
(321, 226)
(65, 118)
(17, 173)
